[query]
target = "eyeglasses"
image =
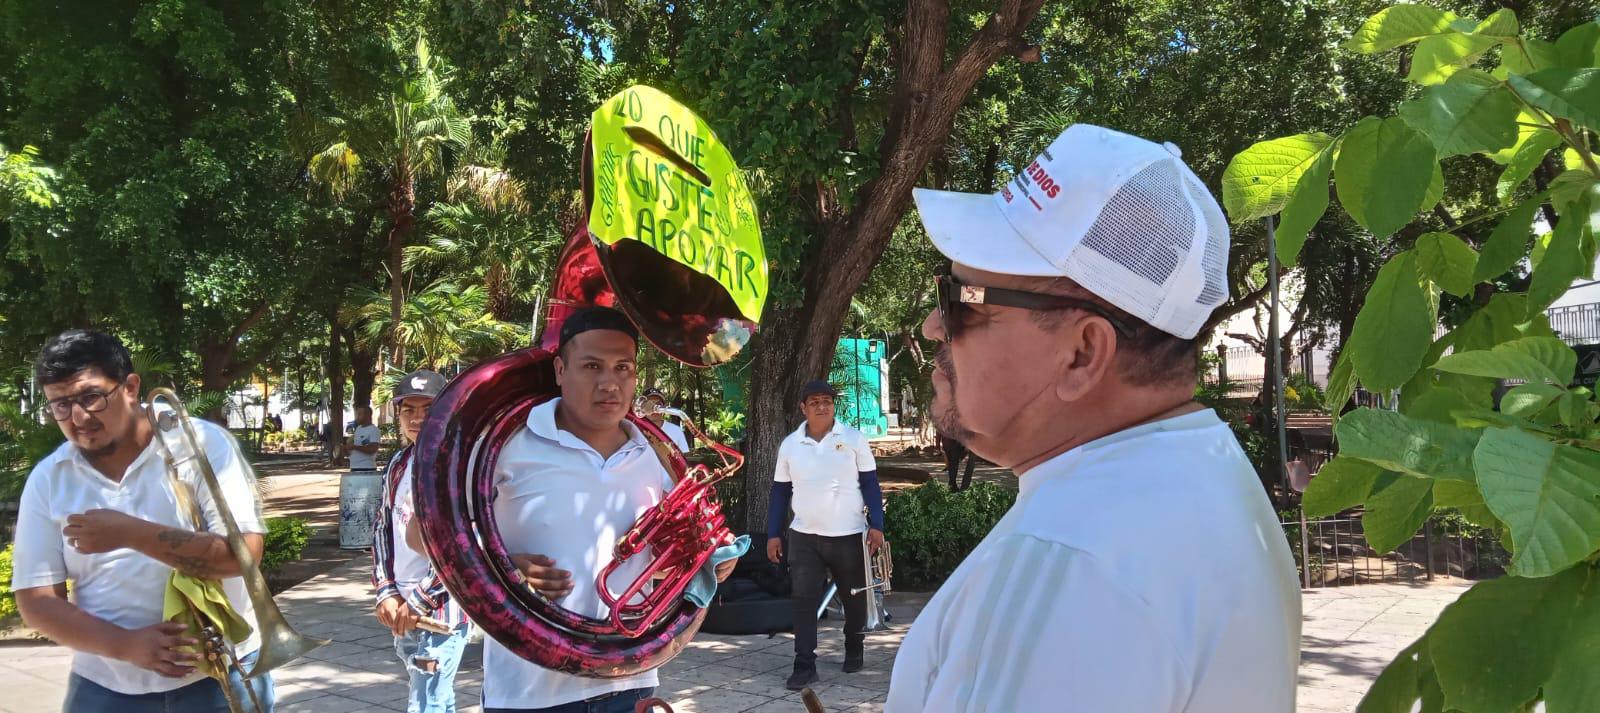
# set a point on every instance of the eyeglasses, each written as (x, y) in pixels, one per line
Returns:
(91, 402)
(954, 295)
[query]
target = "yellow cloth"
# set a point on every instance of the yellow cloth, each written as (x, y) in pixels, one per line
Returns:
(190, 598)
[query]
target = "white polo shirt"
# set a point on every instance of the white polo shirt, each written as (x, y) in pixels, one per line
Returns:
(826, 476)
(123, 586)
(1144, 571)
(675, 434)
(364, 436)
(556, 496)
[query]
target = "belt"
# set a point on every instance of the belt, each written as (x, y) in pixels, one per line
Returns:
(613, 694)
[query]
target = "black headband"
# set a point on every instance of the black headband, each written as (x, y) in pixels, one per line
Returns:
(591, 318)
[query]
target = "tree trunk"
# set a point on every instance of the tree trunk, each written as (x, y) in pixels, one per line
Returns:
(363, 372)
(335, 371)
(797, 343)
(402, 215)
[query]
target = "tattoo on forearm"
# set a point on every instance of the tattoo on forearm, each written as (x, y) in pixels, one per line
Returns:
(194, 566)
(176, 539)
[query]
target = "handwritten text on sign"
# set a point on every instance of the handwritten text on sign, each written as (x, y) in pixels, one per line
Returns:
(661, 177)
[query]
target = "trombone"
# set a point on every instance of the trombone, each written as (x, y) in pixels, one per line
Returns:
(280, 643)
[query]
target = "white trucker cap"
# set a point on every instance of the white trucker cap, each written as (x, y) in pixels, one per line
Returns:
(1121, 216)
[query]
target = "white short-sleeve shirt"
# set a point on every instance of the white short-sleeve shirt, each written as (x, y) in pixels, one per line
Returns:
(826, 475)
(675, 434)
(1144, 571)
(365, 436)
(125, 587)
(556, 496)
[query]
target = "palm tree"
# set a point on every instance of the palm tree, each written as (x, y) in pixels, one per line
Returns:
(411, 138)
(443, 321)
(487, 230)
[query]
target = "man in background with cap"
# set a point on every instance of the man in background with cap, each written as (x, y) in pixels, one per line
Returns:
(827, 470)
(566, 488)
(1141, 568)
(654, 399)
(409, 596)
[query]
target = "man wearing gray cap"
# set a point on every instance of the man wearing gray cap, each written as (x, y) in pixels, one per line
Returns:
(1141, 568)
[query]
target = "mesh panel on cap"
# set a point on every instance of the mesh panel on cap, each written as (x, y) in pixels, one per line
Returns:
(1147, 225)
(1214, 261)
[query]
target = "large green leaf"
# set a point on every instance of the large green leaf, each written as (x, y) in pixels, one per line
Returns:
(1447, 261)
(1578, 46)
(1341, 385)
(1572, 94)
(1573, 686)
(1525, 56)
(1504, 319)
(1438, 403)
(1341, 484)
(1399, 686)
(1464, 498)
(1306, 204)
(1439, 57)
(1508, 244)
(1382, 173)
(1394, 328)
(1403, 444)
(1522, 162)
(1561, 264)
(1527, 400)
(1259, 180)
(1536, 359)
(1548, 494)
(1493, 648)
(1398, 506)
(1501, 24)
(1471, 113)
(1399, 25)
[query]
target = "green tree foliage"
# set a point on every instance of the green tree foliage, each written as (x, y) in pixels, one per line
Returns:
(1490, 92)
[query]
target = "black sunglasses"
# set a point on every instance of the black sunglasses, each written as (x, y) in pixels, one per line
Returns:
(953, 295)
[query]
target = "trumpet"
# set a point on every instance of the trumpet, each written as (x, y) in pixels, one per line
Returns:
(880, 566)
(280, 643)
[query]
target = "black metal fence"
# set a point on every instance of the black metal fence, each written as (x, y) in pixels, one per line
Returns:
(1339, 555)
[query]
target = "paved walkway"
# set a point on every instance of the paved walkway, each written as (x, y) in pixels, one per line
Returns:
(1350, 635)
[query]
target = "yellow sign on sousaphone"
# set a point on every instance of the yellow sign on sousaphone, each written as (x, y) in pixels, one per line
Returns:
(657, 175)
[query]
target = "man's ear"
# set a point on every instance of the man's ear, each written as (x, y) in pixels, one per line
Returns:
(1087, 358)
(133, 385)
(561, 367)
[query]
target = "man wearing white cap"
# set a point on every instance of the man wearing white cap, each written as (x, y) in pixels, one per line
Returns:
(1141, 568)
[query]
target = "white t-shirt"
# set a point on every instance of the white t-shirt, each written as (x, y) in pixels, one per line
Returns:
(410, 566)
(675, 434)
(555, 496)
(1144, 571)
(826, 476)
(365, 436)
(125, 587)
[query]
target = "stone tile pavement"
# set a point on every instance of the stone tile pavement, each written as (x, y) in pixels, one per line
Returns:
(1350, 635)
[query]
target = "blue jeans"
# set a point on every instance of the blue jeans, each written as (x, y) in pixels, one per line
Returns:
(619, 702)
(432, 691)
(204, 696)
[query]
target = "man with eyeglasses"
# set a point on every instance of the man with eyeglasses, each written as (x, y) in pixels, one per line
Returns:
(1141, 567)
(826, 469)
(101, 511)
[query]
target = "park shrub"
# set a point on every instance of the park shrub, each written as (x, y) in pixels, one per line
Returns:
(932, 528)
(285, 542)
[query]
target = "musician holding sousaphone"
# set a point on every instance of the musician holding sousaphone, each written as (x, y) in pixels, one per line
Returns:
(573, 531)
(104, 512)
